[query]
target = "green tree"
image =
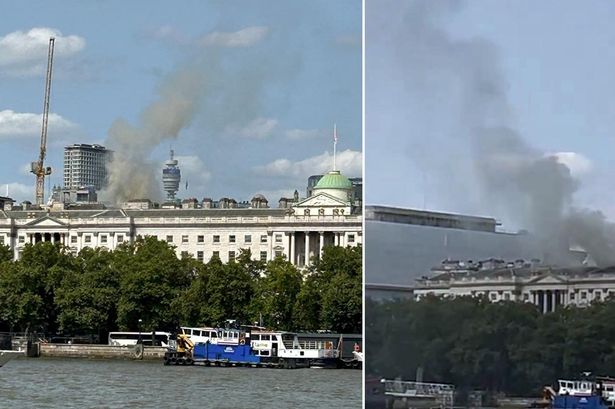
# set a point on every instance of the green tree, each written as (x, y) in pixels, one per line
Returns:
(277, 293)
(27, 287)
(87, 296)
(151, 278)
(5, 254)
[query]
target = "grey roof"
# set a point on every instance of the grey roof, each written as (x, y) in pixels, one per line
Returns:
(524, 272)
(74, 214)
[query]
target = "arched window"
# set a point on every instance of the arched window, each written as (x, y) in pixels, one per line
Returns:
(306, 212)
(321, 212)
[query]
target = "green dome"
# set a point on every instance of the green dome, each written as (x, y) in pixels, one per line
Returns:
(334, 180)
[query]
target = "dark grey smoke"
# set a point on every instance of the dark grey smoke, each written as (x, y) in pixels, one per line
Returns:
(462, 80)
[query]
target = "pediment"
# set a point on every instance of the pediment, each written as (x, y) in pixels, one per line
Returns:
(547, 279)
(46, 221)
(321, 200)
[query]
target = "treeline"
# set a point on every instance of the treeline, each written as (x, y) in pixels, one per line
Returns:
(51, 291)
(479, 345)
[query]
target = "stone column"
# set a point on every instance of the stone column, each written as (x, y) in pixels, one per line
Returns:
(95, 239)
(307, 249)
(322, 243)
(31, 238)
(544, 301)
(79, 241)
(292, 248)
(336, 239)
(53, 238)
(112, 240)
(270, 239)
(342, 240)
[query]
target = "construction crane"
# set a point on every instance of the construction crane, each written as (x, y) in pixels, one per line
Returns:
(38, 167)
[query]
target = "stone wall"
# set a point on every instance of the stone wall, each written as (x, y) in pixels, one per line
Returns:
(93, 351)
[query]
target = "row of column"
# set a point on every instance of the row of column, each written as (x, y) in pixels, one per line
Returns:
(548, 300)
(302, 259)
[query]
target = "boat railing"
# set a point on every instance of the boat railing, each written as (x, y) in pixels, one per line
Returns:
(441, 392)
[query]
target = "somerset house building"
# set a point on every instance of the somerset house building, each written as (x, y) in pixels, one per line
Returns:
(297, 229)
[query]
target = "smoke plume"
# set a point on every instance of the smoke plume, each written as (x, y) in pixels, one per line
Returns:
(132, 175)
(481, 149)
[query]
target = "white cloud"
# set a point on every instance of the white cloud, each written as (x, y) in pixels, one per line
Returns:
(195, 173)
(349, 162)
(258, 128)
(18, 191)
(25, 124)
(243, 38)
(299, 134)
(168, 33)
(25, 53)
(578, 164)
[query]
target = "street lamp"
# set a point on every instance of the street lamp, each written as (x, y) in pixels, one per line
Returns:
(139, 329)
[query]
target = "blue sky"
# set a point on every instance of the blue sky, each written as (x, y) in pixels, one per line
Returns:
(275, 77)
(553, 64)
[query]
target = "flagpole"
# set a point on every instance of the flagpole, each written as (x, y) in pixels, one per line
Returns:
(334, 144)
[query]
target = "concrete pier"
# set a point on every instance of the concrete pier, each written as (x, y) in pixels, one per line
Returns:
(94, 351)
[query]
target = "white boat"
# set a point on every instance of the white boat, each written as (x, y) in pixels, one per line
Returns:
(201, 335)
(286, 346)
(7, 355)
(358, 356)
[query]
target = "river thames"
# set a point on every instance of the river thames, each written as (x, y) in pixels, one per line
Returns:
(66, 383)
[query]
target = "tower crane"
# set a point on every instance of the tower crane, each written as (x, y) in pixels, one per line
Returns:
(38, 167)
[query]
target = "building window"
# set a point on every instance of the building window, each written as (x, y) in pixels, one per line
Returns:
(597, 296)
(231, 238)
(22, 239)
(263, 256)
(184, 239)
(507, 296)
(120, 238)
(215, 254)
(278, 253)
(493, 296)
(278, 238)
(231, 256)
(572, 296)
(351, 238)
(73, 239)
(264, 238)
(169, 239)
(2, 240)
(103, 239)
(216, 238)
(199, 255)
(247, 238)
(200, 239)
(88, 238)
(583, 295)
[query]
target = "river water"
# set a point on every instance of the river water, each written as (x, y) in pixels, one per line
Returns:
(81, 383)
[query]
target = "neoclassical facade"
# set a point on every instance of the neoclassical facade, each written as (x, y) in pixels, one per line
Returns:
(548, 288)
(297, 233)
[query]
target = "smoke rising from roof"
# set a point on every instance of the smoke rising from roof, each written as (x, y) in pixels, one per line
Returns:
(481, 152)
(132, 174)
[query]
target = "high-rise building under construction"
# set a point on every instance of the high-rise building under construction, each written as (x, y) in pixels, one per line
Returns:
(85, 166)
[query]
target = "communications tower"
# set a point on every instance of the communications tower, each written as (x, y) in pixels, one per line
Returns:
(171, 176)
